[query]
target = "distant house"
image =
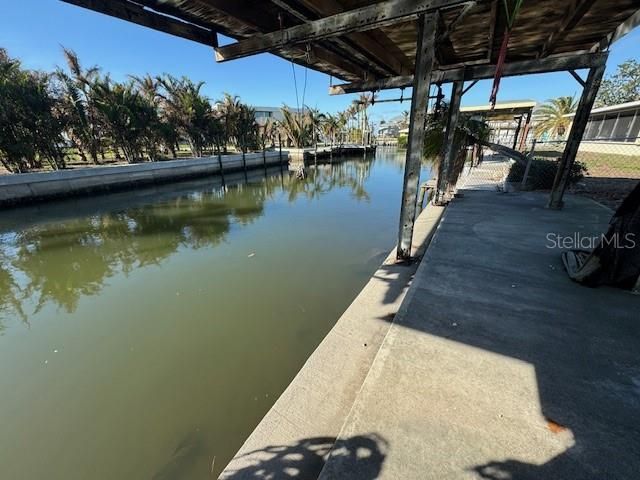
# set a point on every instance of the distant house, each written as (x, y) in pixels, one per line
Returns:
(388, 131)
(274, 113)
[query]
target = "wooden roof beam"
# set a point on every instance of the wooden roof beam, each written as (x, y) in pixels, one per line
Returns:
(135, 13)
(374, 41)
(479, 72)
(361, 19)
(340, 43)
(576, 10)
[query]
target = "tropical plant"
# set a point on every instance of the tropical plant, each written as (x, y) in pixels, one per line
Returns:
(83, 127)
(127, 115)
(554, 119)
(315, 119)
(30, 119)
(191, 111)
(246, 133)
(296, 127)
(229, 108)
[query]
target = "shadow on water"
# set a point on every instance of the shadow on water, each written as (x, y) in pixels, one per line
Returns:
(62, 251)
(360, 456)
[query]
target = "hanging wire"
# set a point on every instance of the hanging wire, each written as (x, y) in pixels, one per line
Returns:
(295, 84)
(306, 71)
(293, 68)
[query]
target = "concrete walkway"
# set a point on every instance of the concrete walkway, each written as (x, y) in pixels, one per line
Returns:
(497, 366)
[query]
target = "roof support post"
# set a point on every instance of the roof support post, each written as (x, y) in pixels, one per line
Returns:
(580, 120)
(446, 161)
(425, 54)
(527, 127)
(517, 132)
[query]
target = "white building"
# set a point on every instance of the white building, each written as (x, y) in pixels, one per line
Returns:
(614, 129)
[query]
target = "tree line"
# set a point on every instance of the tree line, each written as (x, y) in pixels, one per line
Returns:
(45, 118)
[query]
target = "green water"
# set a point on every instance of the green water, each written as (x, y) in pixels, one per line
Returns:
(144, 333)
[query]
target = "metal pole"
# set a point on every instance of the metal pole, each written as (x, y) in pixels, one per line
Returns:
(575, 135)
(417, 124)
(446, 161)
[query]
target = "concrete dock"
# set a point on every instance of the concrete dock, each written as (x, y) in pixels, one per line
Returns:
(497, 365)
(492, 364)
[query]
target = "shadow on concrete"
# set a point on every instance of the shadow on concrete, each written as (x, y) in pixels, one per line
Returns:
(305, 459)
(516, 301)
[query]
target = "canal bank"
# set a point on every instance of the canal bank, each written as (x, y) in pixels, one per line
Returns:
(23, 188)
(308, 416)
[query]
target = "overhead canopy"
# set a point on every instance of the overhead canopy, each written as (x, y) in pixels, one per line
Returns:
(365, 40)
(365, 47)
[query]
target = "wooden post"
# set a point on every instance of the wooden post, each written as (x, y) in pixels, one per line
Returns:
(221, 167)
(449, 139)
(280, 147)
(525, 133)
(517, 132)
(525, 176)
(417, 123)
(575, 136)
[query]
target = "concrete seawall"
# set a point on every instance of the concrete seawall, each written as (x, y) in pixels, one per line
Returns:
(33, 187)
(313, 408)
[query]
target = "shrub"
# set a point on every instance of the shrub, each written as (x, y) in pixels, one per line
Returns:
(543, 172)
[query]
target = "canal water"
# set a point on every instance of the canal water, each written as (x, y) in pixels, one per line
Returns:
(144, 334)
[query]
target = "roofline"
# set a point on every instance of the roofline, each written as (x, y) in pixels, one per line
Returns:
(620, 107)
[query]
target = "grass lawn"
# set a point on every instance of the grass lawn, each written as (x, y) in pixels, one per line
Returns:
(602, 164)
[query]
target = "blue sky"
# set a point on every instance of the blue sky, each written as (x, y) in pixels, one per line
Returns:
(35, 30)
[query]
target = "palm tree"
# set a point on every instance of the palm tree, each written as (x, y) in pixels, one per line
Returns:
(330, 128)
(127, 116)
(296, 128)
(315, 119)
(246, 128)
(229, 107)
(77, 84)
(555, 119)
(183, 103)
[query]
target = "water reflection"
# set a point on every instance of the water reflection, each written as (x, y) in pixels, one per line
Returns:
(61, 252)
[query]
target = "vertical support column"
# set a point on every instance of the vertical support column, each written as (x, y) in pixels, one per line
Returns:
(525, 134)
(449, 140)
(575, 135)
(417, 123)
(517, 132)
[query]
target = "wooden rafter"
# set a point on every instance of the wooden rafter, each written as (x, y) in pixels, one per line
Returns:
(374, 41)
(479, 72)
(349, 48)
(576, 10)
(140, 15)
(361, 19)
(493, 19)
(312, 52)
